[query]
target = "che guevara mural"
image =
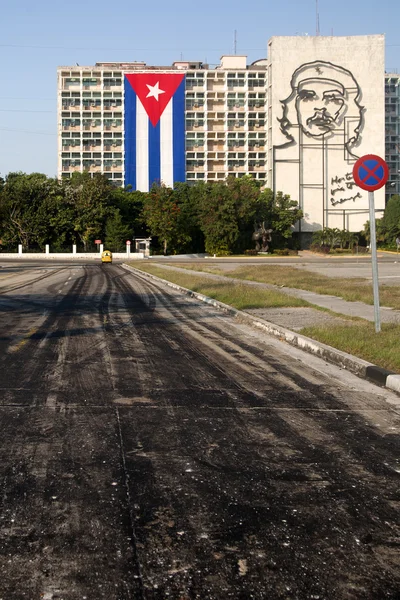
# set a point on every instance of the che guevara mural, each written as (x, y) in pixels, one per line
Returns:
(325, 115)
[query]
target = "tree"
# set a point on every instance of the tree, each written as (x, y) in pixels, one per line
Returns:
(333, 236)
(130, 205)
(117, 233)
(22, 197)
(320, 237)
(161, 214)
(186, 197)
(390, 222)
(281, 213)
(92, 201)
(217, 217)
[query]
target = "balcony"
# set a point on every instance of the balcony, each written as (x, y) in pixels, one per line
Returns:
(216, 125)
(215, 86)
(216, 167)
(214, 146)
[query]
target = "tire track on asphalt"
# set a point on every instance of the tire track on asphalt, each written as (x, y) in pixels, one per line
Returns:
(31, 457)
(333, 476)
(11, 288)
(61, 486)
(91, 382)
(314, 399)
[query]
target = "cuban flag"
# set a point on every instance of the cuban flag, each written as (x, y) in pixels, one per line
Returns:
(154, 129)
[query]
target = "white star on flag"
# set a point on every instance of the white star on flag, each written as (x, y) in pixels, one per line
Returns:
(154, 91)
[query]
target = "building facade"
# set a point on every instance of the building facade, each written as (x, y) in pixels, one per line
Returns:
(326, 109)
(296, 121)
(392, 132)
(225, 130)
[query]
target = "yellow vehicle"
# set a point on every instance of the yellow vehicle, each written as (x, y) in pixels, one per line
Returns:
(106, 257)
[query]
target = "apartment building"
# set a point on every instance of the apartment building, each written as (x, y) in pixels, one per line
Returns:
(225, 128)
(295, 121)
(392, 132)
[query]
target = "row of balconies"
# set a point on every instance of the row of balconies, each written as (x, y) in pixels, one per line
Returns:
(225, 103)
(66, 164)
(228, 84)
(76, 106)
(109, 146)
(224, 168)
(252, 84)
(118, 96)
(191, 165)
(78, 126)
(190, 127)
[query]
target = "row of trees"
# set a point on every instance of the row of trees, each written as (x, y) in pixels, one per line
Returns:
(388, 228)
(387, 231)
(335, 238)
(216, 217)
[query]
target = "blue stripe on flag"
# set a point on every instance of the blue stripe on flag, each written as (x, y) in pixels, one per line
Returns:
(178, 127)
(154, 154)
(130, 135)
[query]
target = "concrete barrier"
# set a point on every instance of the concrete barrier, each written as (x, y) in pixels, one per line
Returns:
(69, 255)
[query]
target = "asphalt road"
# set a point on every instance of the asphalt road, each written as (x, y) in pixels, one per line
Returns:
(154, 449)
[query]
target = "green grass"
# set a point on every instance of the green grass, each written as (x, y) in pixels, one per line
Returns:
(358, 337)
(354, 289)
(239, 296)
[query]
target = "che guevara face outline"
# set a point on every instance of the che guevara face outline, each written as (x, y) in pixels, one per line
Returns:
(321, 105)
(322, 96)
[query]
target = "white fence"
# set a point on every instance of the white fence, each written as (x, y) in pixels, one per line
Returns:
(127, 255)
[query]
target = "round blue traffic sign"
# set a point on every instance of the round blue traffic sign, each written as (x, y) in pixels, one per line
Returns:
(370, 172)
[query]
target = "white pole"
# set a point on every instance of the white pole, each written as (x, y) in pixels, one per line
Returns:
(101, 248)
(73, 248)
(19, 248)
(374, 261)
(47, 249)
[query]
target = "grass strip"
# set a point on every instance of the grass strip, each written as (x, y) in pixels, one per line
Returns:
(360, 339)
(357, 338)
(353, 290)
(239, 296)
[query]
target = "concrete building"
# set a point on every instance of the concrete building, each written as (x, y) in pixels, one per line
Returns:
(296, 121)
(224, 112)
(325, 109)
(392, 132)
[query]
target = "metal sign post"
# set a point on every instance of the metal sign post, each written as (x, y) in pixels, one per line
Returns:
(374, 260)
(370, 173)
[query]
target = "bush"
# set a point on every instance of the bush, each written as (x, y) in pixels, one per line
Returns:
(321, 248)
(251, 252)
(285, 252)
(361, 250)
(341, 251)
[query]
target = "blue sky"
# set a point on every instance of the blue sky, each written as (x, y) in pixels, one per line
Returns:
(37, 37)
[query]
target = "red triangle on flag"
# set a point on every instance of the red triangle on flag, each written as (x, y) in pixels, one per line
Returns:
(154, 91)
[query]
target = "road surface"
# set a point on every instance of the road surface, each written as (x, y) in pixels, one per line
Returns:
(154, 449)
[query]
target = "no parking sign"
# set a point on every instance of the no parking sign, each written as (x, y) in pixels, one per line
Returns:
(370, 173)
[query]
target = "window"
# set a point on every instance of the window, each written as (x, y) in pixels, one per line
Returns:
(194, 80)
(72, 81)
(112, 82)
(89, 81)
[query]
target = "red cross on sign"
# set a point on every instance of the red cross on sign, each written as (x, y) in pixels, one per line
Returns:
(370, 172)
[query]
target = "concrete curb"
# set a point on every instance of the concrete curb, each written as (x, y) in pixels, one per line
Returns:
(358, 366)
